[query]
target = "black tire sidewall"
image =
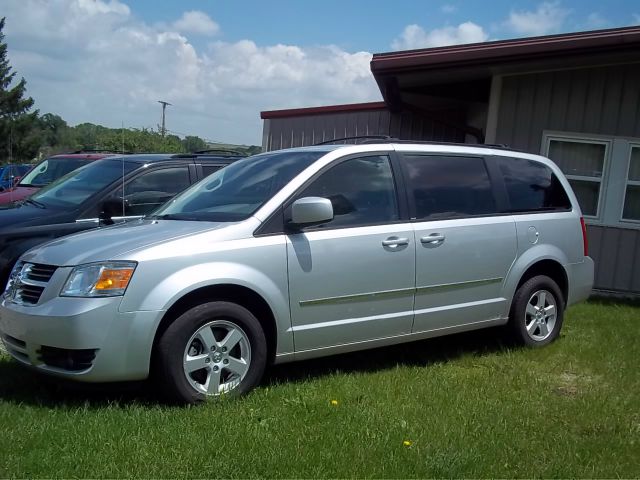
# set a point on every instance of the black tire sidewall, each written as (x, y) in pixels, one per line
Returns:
(170, 374)
(517, 325)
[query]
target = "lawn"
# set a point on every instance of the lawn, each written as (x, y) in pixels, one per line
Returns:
(464, 406)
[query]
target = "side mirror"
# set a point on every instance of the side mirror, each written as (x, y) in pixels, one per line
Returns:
(309, 211)
(110, 208)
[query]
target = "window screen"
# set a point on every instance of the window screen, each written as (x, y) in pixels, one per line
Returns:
(632, 194)
(448, 186)
(532, 186)
(583, 163)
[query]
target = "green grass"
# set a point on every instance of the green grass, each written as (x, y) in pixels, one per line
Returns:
(469, 407)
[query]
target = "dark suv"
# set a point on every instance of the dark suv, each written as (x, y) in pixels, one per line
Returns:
(46, 172)
(103, 192)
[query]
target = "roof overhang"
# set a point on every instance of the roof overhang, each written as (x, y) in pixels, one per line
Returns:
(460, 64)
(329, 109)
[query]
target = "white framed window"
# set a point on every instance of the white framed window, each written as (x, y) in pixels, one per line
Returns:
(631, 205)
(584, 162)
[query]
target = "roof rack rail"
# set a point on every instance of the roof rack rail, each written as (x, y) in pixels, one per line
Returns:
(369, 139)
(98, 150)
(357, 137)
(453, 144)
(221, 151)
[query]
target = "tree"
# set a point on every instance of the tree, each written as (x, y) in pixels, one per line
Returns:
(18, 126)
(193, 144)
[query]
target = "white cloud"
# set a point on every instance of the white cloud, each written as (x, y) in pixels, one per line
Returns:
(415, 36)
(116, 71)
(448, 8)
(197, 22)
(548, 18)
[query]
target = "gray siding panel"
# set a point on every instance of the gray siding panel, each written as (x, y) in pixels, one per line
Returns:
(599, 100)
(309, 129)
(616, 253)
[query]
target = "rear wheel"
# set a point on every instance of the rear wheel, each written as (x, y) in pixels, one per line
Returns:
(537, 312)
(210, 350)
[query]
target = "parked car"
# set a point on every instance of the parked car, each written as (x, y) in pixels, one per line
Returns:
(47, 171)
(301, 253)
(11, 174)
(105, 191)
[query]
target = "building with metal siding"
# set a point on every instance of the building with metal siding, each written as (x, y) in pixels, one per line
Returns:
(572, 97)
(307, 126)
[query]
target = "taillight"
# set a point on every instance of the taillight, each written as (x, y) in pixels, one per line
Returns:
(585, 242)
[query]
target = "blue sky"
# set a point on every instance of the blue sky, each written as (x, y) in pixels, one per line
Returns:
(221, 62)
(371, 25)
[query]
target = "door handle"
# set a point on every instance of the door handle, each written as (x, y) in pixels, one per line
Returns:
(395, 242)
(432, 239)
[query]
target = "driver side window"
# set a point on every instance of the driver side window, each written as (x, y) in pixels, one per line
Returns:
(361, 190)
(148, 191)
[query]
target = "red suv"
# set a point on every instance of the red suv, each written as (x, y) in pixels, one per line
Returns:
(46, 172)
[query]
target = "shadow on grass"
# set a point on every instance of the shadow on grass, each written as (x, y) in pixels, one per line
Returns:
(419, 353)
(19, 385)
(23, 386)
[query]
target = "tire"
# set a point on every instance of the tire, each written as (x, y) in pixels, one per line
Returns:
(213, 349)
(531, 324)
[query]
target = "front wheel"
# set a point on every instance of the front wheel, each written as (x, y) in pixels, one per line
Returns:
(537, 312)
(210, 350)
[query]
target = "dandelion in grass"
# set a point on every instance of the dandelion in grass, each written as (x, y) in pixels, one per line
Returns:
(334, 403)
(407, 443)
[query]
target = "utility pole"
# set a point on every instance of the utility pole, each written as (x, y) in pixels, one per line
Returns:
(164, 104)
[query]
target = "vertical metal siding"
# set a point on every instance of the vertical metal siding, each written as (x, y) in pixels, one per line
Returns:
(305, 130)
(616, 254)
(600, 101)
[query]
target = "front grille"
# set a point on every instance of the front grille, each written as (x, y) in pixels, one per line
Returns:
(29, 293)
(67, 359)
(31, 282)
(40, 273)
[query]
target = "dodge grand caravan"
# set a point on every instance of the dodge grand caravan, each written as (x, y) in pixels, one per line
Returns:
(302, 253)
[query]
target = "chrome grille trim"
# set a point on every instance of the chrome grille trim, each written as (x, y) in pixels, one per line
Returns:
(29, 283)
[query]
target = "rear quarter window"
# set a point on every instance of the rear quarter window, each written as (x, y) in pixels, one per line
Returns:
(531, 186)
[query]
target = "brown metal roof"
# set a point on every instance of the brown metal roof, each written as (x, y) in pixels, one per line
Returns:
(299, 112)
(508, 50)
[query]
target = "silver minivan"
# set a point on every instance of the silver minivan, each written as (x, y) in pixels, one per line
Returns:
(301, 253)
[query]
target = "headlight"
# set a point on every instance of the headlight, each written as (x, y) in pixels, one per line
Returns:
(106, 279)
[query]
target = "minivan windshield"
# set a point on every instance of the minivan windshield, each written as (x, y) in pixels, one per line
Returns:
(235, 192)
(76, 186)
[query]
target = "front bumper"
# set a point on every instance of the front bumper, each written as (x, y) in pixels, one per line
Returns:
(85, 339)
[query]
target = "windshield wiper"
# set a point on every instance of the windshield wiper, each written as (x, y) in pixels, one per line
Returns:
(33, 202)
(175, 216)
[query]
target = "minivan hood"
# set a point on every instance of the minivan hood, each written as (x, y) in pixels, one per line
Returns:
(114, 242)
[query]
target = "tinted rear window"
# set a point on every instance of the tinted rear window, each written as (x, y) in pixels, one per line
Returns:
(449, 186)
(532, 186)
